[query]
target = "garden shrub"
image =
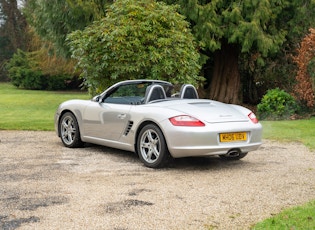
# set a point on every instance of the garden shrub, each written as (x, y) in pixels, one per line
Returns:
(276, 104)
(304, 88)
(24, 73)
(32, 80)
(58, 82)
(136, 39)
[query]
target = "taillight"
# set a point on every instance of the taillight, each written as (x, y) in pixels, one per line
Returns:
(253, 118)
(185, 120)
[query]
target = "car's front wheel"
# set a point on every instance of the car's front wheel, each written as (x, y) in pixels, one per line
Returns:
(69, 131)
(151, 147)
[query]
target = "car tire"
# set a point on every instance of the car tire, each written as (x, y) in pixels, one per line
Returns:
(237, 157)
(152, 148)
(69, 131)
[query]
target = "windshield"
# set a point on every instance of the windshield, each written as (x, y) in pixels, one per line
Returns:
(133, 93)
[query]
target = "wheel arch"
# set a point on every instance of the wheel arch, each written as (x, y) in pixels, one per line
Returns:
(71, 136)
(140, 127)
(60, 116)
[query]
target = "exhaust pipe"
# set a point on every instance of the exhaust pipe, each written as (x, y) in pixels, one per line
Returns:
(233, 153)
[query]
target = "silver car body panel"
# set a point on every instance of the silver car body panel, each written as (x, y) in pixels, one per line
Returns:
(117, 125)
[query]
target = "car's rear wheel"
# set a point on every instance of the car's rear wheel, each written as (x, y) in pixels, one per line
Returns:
(69, 131)
(151, 147)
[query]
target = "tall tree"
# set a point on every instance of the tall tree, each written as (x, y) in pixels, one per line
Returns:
(136, 39)
(12, 31)
(227, 29)
(14, 23)
(53, 20)
(232, 35)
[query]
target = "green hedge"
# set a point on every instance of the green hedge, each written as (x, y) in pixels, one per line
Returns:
(24, 74)
(277, 104)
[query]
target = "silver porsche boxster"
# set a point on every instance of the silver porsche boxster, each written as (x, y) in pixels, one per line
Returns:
(157, 122)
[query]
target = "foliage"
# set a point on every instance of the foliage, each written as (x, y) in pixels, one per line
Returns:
(94, 8)
(14, 24)
(136, 39)
(12, 32)
(31, 109)
(5, 54)
(21, 73)
(279, 70)
(305, 61)
(311, 70)
(54, 19)
(24, 73)
(277, 104)
(265, 32)
(301, 217)
(41, 68)
(251, 24)
(44, 55)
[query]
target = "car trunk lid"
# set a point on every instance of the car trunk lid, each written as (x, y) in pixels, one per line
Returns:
(210, 111)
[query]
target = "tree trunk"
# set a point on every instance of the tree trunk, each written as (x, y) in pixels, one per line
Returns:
(15, 24)
(225, 81)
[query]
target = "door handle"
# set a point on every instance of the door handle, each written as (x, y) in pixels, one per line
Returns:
(121, 116)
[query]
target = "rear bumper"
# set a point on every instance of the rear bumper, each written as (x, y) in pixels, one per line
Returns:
(205, 141)
(191, 151)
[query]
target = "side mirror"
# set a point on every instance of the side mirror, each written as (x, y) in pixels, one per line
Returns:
(97, 98)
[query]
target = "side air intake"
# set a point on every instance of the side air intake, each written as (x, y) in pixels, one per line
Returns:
(128, 128)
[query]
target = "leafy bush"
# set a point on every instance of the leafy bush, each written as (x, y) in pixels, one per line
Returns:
(58, 82)
(304, 88)
(136, 39)
(24, 73)
(276, 105)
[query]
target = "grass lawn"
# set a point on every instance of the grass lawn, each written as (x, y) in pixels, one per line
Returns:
(297, 130)
(301, 217)
(34, 110)
(297, 218)
(31, 109)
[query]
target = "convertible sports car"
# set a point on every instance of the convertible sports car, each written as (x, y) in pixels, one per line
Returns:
(150, 118)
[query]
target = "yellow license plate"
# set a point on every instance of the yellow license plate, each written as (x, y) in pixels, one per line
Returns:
(230, 137)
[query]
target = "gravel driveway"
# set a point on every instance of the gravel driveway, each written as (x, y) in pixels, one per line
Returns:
(44, 185)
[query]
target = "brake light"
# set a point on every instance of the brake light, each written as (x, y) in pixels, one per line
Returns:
(253, 118)
(185, 120)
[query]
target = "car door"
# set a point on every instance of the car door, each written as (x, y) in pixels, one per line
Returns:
(106, 121)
